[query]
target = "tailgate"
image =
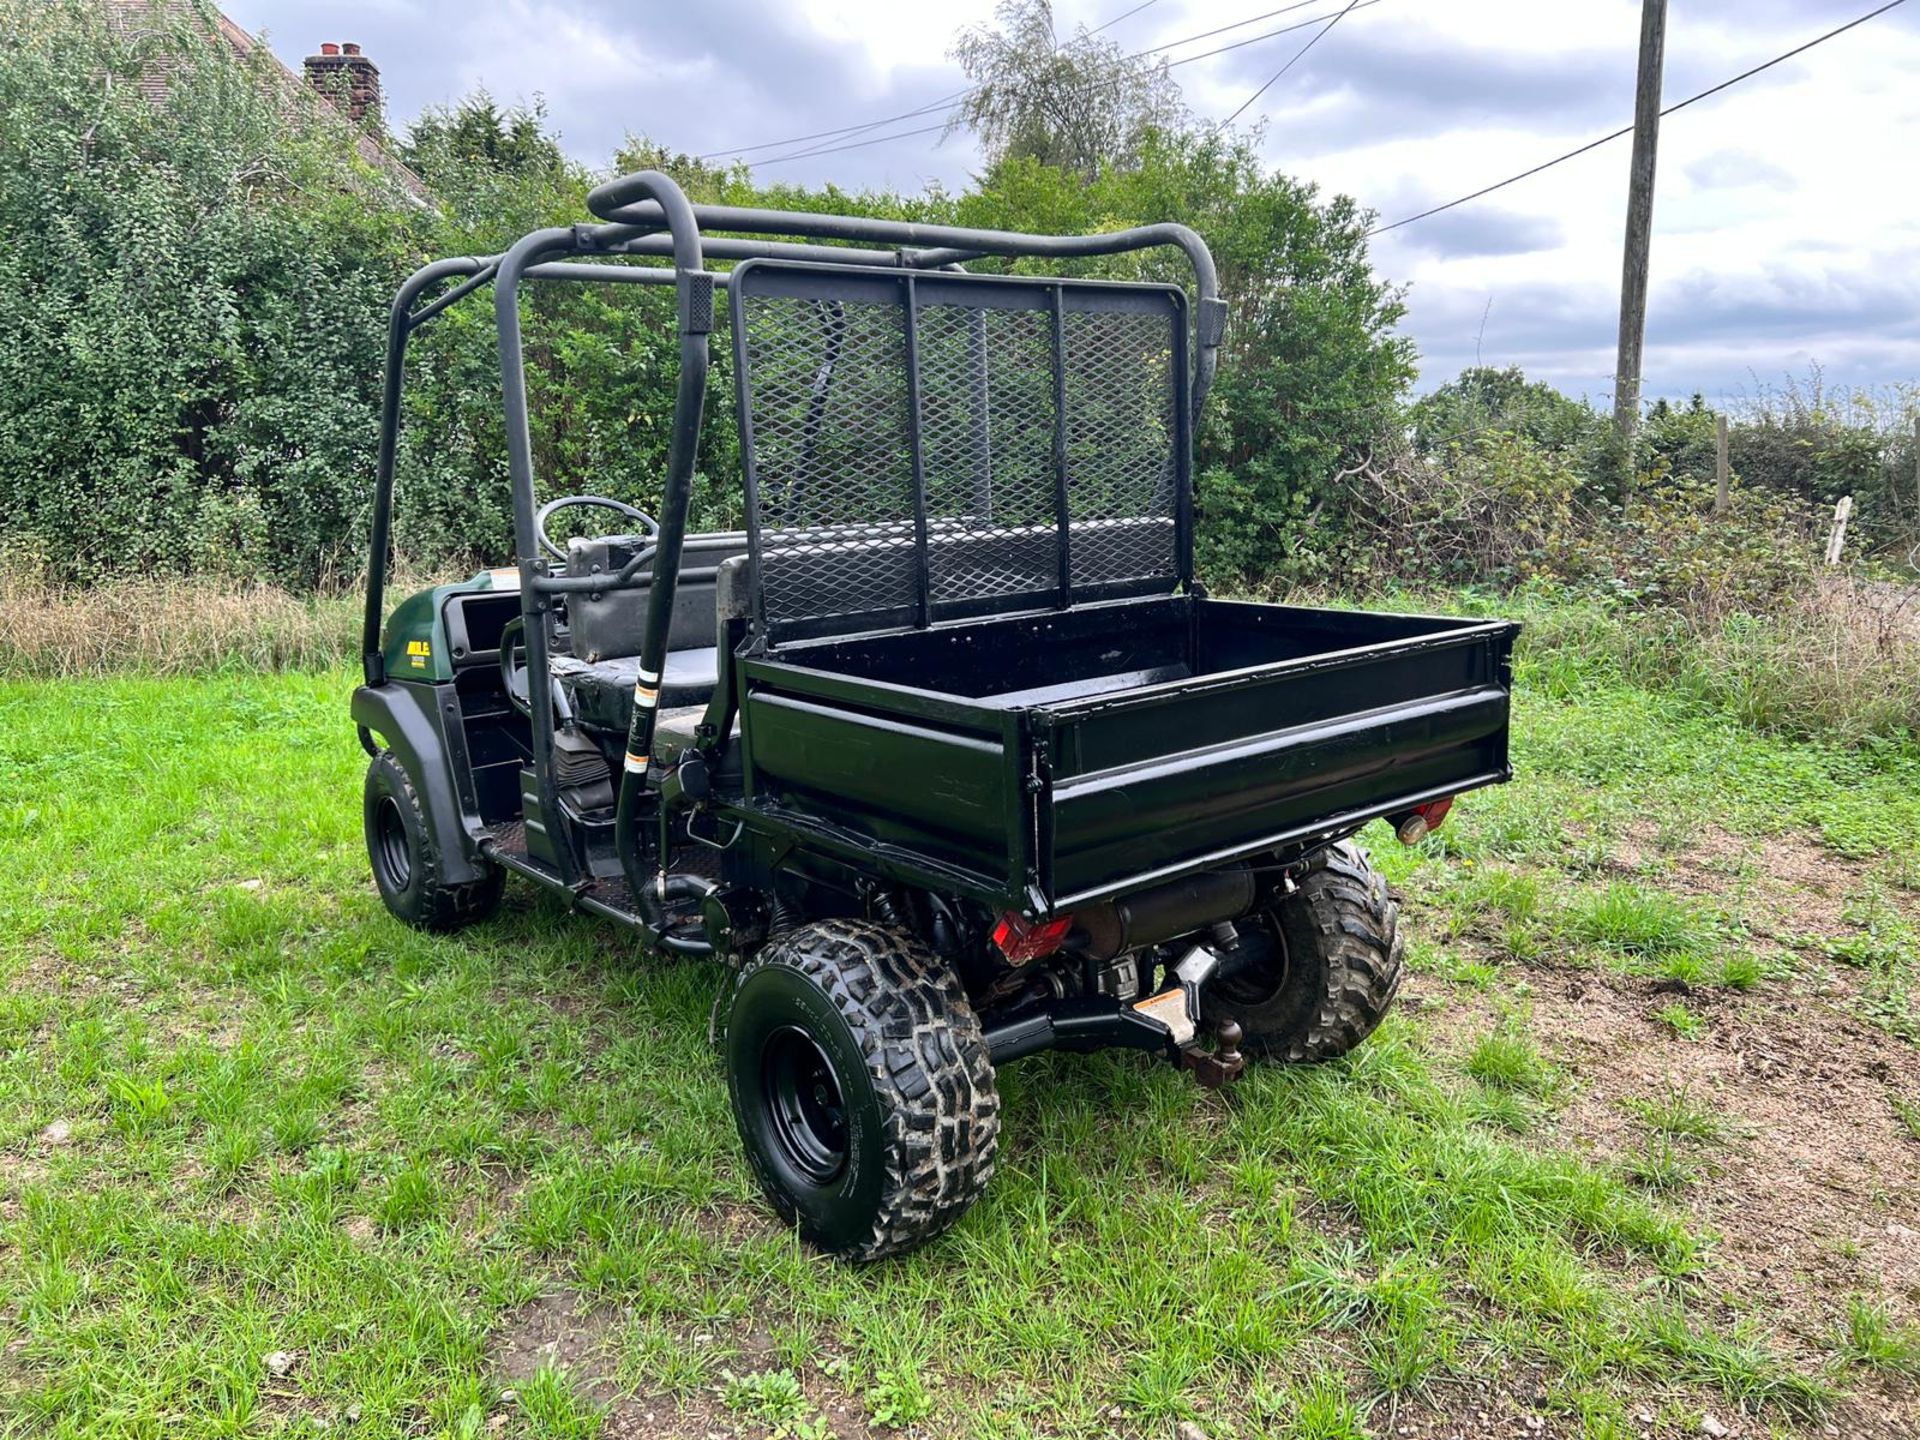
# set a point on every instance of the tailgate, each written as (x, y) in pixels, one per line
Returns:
(1151, 782)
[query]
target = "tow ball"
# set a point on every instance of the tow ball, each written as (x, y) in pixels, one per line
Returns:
(1178, 1009)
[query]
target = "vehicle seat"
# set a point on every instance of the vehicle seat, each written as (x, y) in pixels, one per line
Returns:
(600, 690)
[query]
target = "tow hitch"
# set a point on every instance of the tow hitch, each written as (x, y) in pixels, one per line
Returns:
(1167, 1023)
(1178, 1009)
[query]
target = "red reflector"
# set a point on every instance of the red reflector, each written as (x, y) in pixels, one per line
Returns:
(1422, 820)
(1020, 940)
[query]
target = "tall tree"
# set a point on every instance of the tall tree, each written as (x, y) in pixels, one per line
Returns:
(1075, 105)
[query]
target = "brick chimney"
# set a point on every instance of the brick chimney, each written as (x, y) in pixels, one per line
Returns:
(347, 78)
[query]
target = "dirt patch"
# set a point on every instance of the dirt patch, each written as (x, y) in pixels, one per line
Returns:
(1812, 1190)
(560, 1330)
(1814, 1186)
(567, 1331)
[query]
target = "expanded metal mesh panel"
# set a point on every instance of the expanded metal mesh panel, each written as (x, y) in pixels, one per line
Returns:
(832, 456)
(919, 447)
(987, 430)
(1120, 436)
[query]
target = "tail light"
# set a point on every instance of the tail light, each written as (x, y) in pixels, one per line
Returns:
(1021, 940)
(1421, 821)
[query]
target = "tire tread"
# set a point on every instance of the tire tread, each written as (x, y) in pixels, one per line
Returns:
(927, 1057)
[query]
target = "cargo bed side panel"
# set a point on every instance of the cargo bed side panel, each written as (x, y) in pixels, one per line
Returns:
(1158, 781)
(928, 790)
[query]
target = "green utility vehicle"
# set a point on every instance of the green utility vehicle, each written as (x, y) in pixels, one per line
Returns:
(947, 755)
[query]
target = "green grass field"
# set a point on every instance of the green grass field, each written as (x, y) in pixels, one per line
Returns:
(274, 1164)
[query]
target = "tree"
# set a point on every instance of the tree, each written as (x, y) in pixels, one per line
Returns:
(447, 143)
(1313, 369)
(1077, 106)
(1485, 399)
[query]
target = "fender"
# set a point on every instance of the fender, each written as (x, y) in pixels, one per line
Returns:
(407, 717)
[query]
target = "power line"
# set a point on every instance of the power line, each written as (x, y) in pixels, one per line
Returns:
(1318, 36)
(1127, 15)
(1171, 64)
(1628, 129)
(952, 101)
(928, 108)
(944, 102)
(1236, 25)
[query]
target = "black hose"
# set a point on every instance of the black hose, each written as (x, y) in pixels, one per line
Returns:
(661, 892)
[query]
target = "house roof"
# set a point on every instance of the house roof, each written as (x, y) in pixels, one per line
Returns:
(133, 18)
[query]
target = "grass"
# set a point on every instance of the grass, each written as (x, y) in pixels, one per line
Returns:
(1641, 922)
(287, 1124)
(1682, 1021)
(1873, 1339)
(1678, 1115)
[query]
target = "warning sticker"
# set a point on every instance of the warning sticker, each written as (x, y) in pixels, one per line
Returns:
(1169, 1007)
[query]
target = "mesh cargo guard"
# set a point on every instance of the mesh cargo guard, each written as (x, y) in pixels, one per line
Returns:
(930, 446)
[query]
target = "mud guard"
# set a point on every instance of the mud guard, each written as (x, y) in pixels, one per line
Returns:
(407, 718)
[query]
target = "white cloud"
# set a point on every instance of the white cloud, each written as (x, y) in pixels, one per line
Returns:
(1786, 217)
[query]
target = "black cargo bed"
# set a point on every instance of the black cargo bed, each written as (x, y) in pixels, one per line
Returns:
(1044, 760)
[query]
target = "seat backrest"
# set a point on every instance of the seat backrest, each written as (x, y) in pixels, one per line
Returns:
(610, 625)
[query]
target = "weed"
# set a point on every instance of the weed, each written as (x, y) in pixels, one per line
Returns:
(1676, 1114)
(1682, 1021)
(898, 1397)
(139, 1104)
(1870, 1337)
(772, 1397)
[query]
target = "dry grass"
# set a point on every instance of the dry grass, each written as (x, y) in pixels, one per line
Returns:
(168, 626)
(1841, 662)
(1842, 659)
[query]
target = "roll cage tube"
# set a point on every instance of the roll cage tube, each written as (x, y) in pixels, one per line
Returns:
(636, 209)
(628, 201)
(480, 271)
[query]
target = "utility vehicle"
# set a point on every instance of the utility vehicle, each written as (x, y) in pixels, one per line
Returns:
(948, 755)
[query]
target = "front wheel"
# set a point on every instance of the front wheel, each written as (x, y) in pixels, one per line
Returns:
(406, 861)
(862, 1088)
(1335, 966)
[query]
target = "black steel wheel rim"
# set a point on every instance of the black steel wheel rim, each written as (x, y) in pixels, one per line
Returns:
(390, 849)
(1260, 983)
(804, 1104)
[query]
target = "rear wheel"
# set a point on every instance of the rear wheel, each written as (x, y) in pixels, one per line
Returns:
(406, 862)
(1335, 966)
(862, 1088)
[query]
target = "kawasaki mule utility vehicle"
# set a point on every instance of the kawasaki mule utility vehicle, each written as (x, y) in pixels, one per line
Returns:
(947, 755)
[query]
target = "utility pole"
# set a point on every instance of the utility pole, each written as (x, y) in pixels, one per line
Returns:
(1633, 270)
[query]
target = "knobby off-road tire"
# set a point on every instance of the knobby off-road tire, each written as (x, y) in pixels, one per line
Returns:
(1336, 964)
(862, 1087)
(406, 861)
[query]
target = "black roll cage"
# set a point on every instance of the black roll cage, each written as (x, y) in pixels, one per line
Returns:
(647, 215)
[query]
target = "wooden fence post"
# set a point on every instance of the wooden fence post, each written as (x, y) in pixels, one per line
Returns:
(1720, 498)
(1837, 540)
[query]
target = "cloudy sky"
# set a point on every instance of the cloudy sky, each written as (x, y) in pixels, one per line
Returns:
(1787, 226)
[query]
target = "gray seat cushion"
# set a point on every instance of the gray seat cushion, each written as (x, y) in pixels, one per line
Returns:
(601, 692)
